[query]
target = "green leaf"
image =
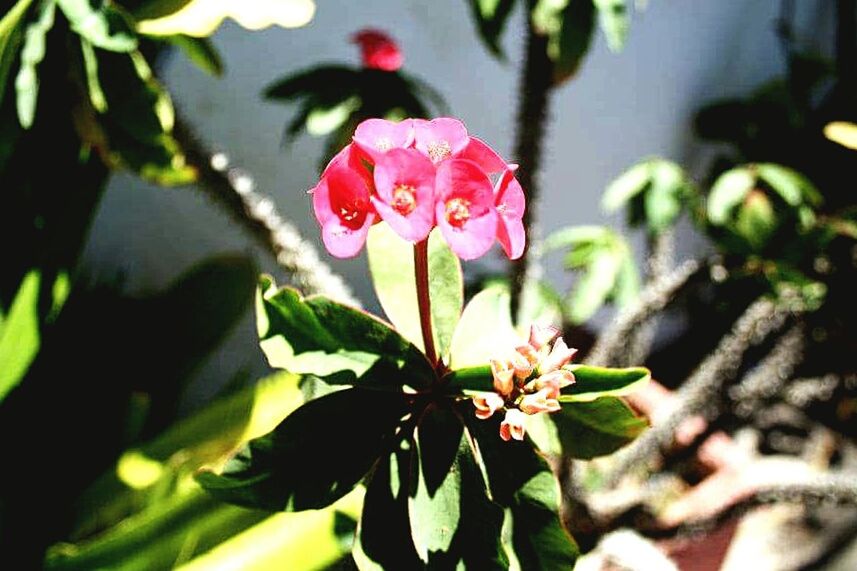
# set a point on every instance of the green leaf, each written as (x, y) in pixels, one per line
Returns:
(104, 27)
(341, 344)
(10, 39)
(595, 382)
(613, 17)
(93, 83)
(629, 184)
(491, 17)
(336, 78)
(568, 45)
(200, 51)
(627, 283)
(756, 221)
(19, 333)
(32, 54)
(727, 192)
(391, 263)
(792, 186)
(591, 429)
(315, 456)
(485, 329)
(663, 201)
(540, 303)
(521, 482)
(151, 9)
(575, 235)
(593, 288)
(324, 120)
(383, 539)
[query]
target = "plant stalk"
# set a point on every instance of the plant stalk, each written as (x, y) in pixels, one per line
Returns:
(535, 88)
(423, 299)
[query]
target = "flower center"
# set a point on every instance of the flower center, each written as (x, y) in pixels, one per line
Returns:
(404, 199)
(457, 212)
(347, 215)
(439, 150)
(383, 144)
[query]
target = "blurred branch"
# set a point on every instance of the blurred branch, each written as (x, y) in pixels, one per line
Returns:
(534, 92)
(653, 299)
(234, 190)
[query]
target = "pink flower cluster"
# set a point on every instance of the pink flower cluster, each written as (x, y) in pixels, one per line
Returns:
(527, 381)
(415, 175)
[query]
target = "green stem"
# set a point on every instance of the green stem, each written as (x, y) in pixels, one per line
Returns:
(423, 299)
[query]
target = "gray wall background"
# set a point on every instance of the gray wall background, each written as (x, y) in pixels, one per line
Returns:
(679, 55)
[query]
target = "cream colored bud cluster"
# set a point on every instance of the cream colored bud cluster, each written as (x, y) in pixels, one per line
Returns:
(527, 380)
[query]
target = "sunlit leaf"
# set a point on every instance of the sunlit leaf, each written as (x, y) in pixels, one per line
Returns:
(594, 286)
(294, 467)
(200, 51)
(11, 32)
(202, 17)
(484, 331)
(842, 132)
(613, 18)
(792, 186)
(342, 344)
(595, 382)
(19, 333)
(323, 121)
(590, 429)
(756, 221)
(32, 54)
(395, 285)
(103, 26)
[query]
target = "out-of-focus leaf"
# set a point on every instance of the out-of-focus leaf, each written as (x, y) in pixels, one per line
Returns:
(324, 120)
(613, 17)
(103, 26)
(19, 333)
(93, 83)
(151, 9)
(728, 192)
(594, 286)
(202, 17)
(32, 54)
(756, 221)
(590, 429)
(313, 81)
(843, 133)
(627, 286)
(341, 344)
(315, 456)
(595, 382)
(663, 201)
(10, 39)
(200, 51)
(569, 25)
(792, 186)
(484, 329)
(396, 289)
(491, 17)
(626, 186)
(523, 484)
(540, 304)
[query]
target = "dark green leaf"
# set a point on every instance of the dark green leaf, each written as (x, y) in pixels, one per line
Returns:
(341, 344)
(613, 17)
(32, 53)
(315, 456)
(590, 429)
(152, 9)
(200, 51)
(596, 382)
(522, 483)
(333, 78)
(792, 186)
(568, 48)
(396, 289)
(383, 539)
(491, 17)
(756, 220)
(104, 27)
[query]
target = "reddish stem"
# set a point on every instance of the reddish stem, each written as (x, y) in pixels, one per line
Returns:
(423, 300)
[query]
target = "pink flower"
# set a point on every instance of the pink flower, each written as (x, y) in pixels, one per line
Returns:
(509, 202)
(553, 382)
(513, 425)
(465, 207)
(541, 336)
(537, 402)
(342, 207)
(404, 181)
(486, 404)
(503, 373)
(379, 51)
(377, 136)
(440, 139)
(559, 356)
(487, 158)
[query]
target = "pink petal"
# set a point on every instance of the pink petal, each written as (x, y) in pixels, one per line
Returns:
(343, 209)
(513, 425)
(510, 203)
(406, 168)
(487, 158)
(440, 138)
(559, 356)
(344, 241)
(461, 182)
(376, 136)
(379, 50)
(502, 371)
(541, 336)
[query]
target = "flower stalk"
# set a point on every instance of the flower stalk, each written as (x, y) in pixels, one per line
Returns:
(424, 300)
